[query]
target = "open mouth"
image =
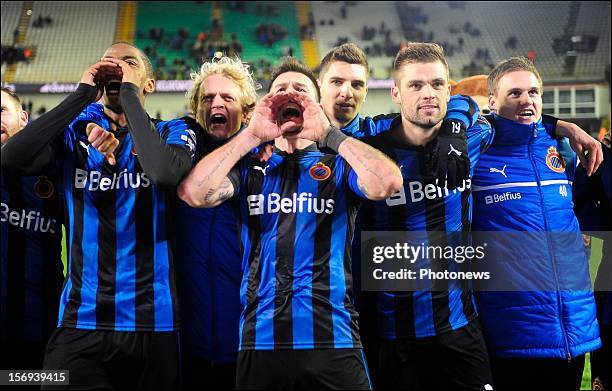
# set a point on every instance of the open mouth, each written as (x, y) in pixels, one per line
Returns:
(113, 87)
(218, 119)
(528, 113)
(290, 112)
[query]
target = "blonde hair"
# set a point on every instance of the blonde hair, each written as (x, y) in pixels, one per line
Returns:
(232, 68)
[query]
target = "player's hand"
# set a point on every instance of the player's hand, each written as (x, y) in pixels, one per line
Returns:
(129, 74)
(103, 141)
(450, 163)
(263, 123)
(316, 125)
(97, 74)
(588, 149)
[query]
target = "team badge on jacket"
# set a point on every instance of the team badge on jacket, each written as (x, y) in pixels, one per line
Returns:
(44, 187)
(554, 161)
(319, 172)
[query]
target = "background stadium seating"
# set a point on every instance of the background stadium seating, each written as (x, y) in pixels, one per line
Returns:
(81, 30)
(78, 36)
(570, 41)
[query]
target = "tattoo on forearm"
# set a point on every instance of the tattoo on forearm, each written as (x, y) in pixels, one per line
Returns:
(223, 193)
(364, 156)
(209, 194)
(227, 153)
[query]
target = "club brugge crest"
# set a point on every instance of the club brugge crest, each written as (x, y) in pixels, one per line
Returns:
(554, 161)
(44, 187)
(319, 172)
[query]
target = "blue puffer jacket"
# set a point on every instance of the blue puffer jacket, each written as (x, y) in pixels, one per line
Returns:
(547, 308)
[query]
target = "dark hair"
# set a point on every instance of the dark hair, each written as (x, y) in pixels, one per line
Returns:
(145, 59)
(14, 96)
(419, 52)
(349, 53)
(512, 64)
(290, 64)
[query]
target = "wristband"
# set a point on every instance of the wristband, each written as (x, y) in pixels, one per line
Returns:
(333, 139)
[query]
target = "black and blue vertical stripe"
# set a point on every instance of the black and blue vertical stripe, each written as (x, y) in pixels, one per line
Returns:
(447, 305)
(120, 268)
(297, 288)
(31, 271)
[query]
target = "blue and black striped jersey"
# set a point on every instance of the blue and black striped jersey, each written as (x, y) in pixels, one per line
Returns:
(423, 206)
(208, 261)
(297, 214)
(120, 269)
(31, 272)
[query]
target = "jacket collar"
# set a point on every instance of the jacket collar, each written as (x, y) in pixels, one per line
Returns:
(508, 132)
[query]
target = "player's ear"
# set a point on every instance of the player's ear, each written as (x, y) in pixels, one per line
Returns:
(395, 95)
(149, 86)
(246, 116)
(23, 118)
(492, 103)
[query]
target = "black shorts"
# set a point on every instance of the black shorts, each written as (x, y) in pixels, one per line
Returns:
(201, 374)
(455, 360)
(302, 370)
(115, 359)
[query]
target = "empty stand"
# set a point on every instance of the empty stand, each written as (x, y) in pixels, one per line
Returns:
(78, 36)
(594, 21)
(10, 19)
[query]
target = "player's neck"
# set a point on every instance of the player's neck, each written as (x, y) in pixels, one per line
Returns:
(412, 134)
(336, 123)
(118, 118)
(291, 145)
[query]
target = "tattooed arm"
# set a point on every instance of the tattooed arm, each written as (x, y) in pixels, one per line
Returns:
(377, 176)
(208, 184)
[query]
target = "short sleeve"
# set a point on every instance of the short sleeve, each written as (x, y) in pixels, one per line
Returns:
(352, 181)
(235, 176)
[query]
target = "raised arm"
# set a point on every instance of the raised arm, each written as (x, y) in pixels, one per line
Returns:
(586, 147)
(166, 164)
(208, 184)
(377, 176)
(29, 151)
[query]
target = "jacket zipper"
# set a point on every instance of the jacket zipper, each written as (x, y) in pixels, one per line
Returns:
(550, 249)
